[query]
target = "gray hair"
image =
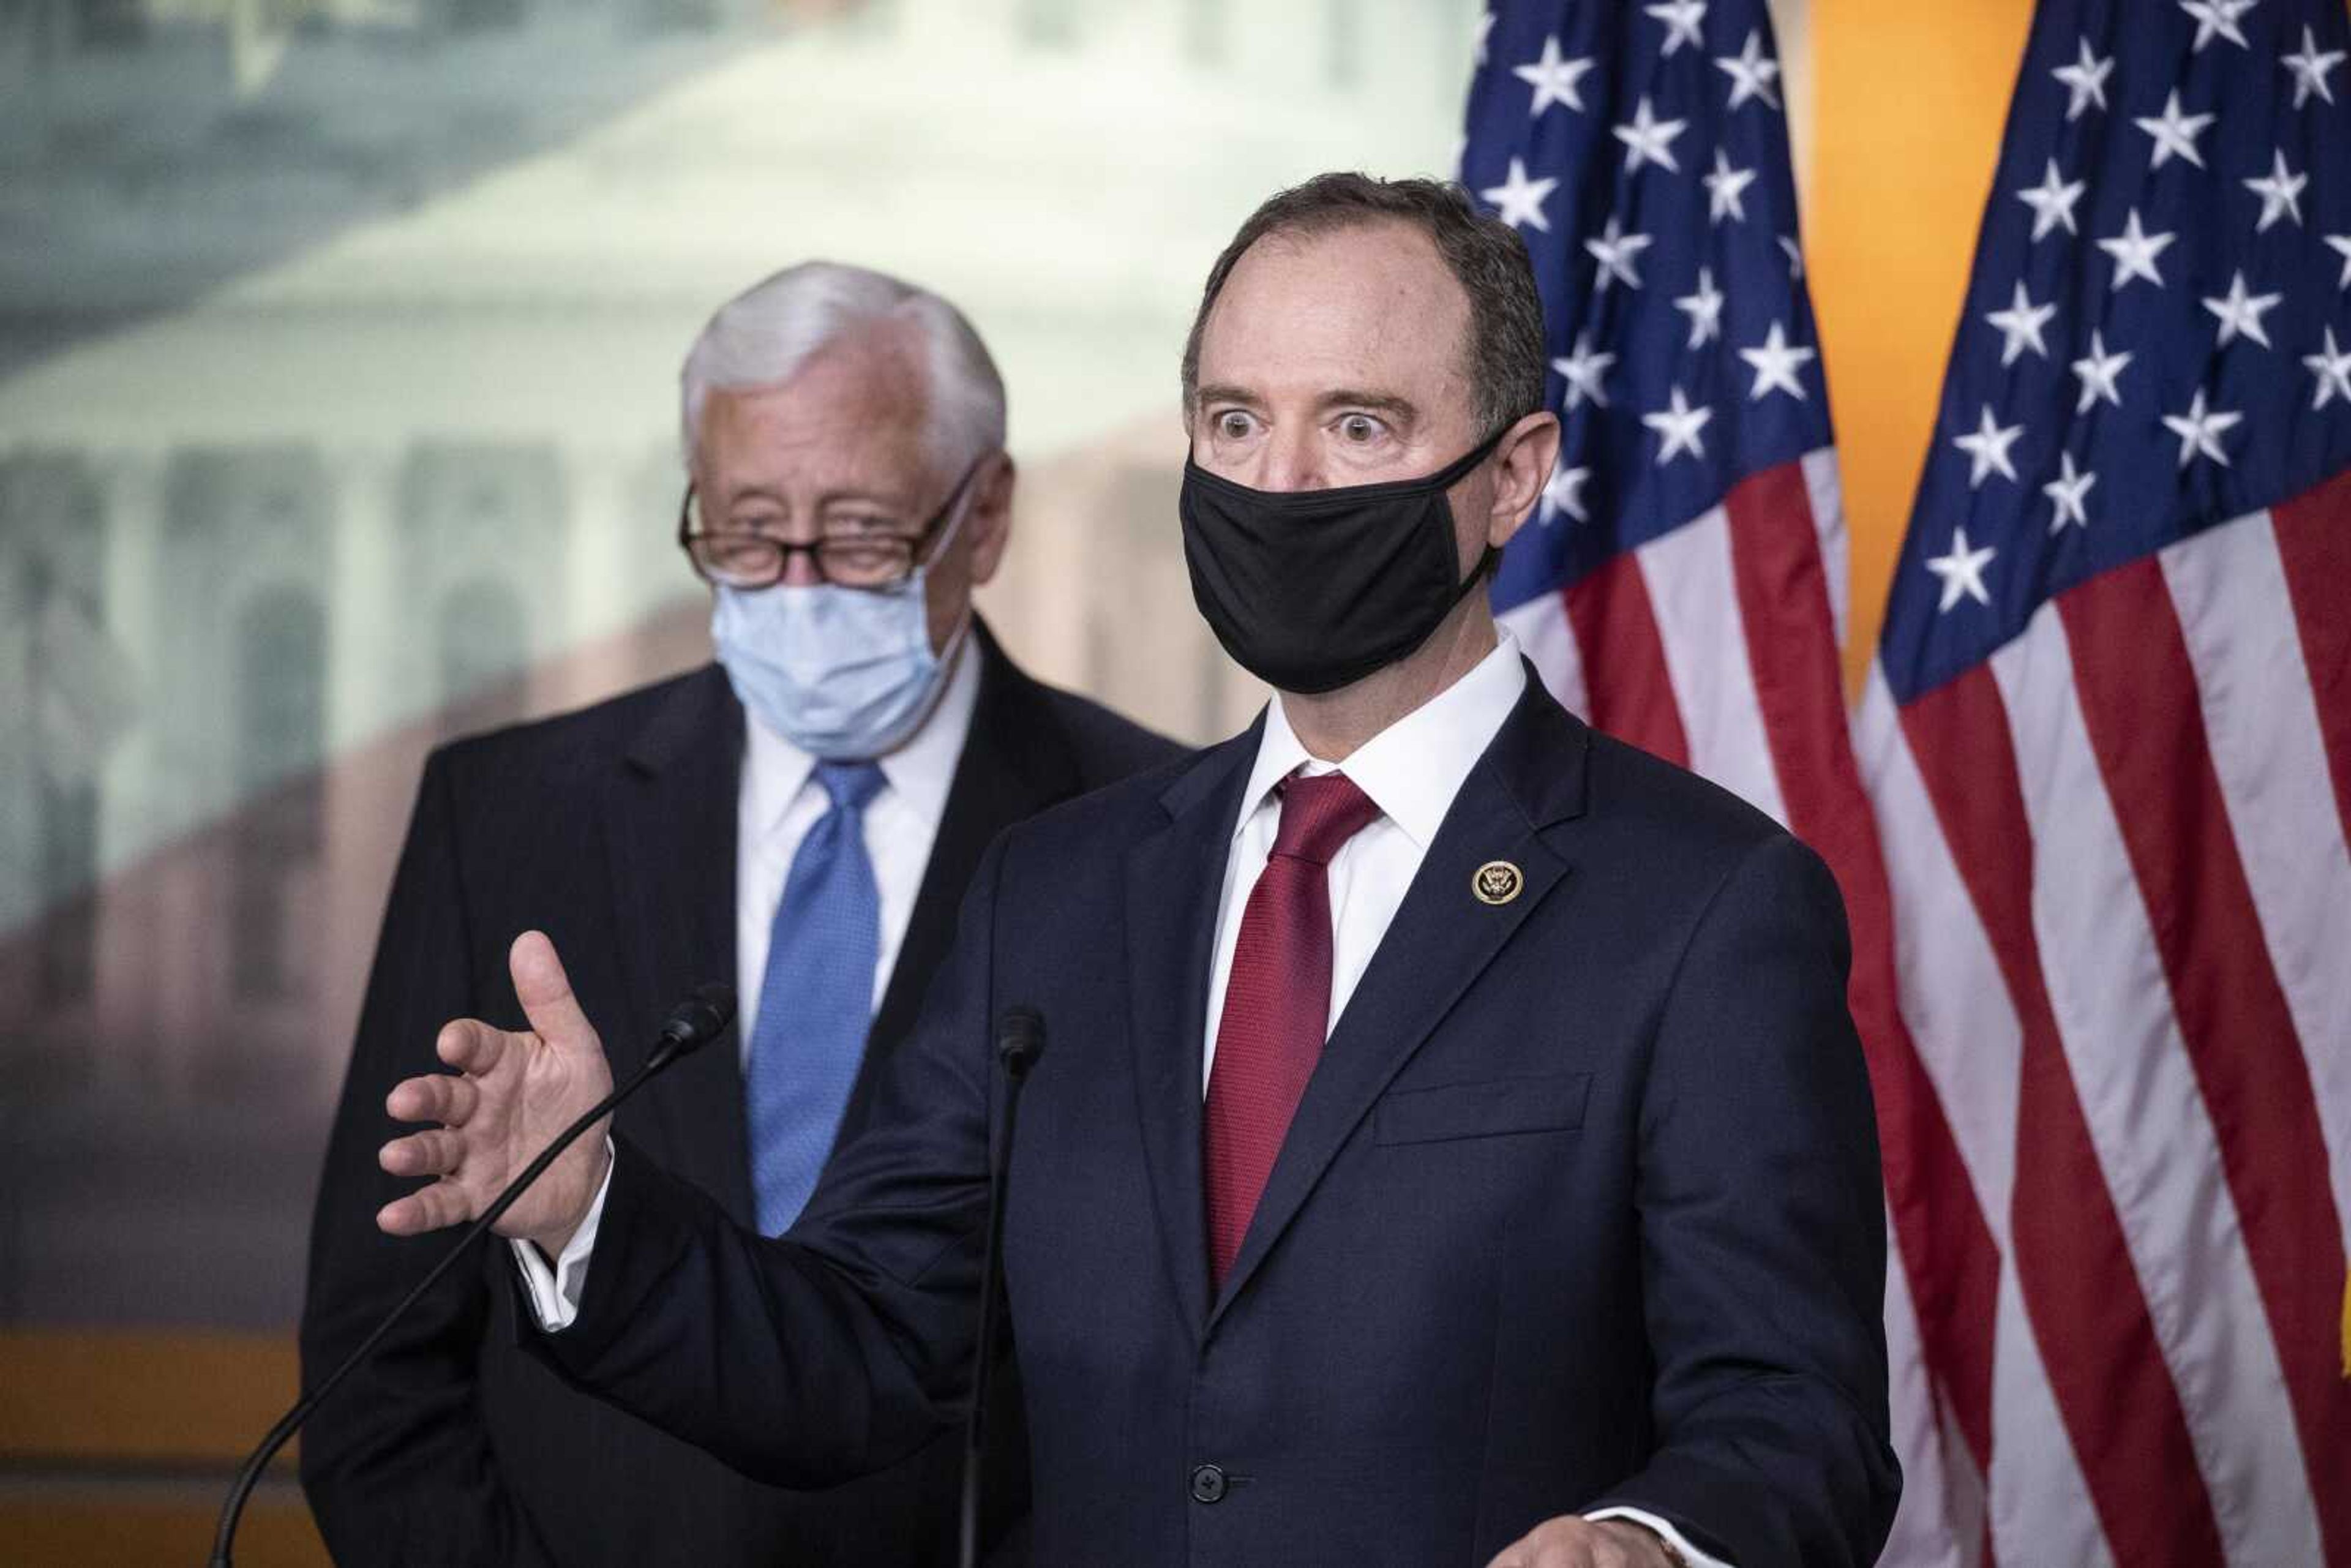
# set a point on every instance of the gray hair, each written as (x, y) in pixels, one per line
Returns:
(1503, 357)
(763, 336)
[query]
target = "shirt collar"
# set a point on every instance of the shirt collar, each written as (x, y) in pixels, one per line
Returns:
(1413, 768)
(920, 772)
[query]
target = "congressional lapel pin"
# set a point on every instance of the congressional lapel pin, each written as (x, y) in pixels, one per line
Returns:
(1497, 882)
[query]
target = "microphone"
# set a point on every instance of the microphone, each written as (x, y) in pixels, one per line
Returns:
(691, 1025)
(1019, 1041)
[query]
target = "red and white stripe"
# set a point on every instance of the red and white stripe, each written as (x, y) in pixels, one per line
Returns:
(2102, 972)
(2122, 903)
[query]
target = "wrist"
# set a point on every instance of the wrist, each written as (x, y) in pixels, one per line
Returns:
(554, 1237)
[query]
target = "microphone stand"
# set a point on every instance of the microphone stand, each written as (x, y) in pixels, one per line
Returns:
(1019, 1041)
(691, 1025)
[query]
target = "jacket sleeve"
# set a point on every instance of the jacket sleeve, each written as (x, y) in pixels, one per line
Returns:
(840, 1347)
(1763, 1239)
(396, 1464)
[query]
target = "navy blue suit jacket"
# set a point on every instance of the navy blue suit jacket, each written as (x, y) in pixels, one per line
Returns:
(1582, 1206)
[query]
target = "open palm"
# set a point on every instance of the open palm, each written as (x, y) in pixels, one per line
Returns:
(510, 1095)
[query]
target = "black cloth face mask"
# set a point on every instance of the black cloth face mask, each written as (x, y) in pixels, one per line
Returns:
(1310, 590)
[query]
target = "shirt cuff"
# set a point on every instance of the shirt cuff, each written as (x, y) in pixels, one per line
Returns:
(555, 1293)
(1674, 1538)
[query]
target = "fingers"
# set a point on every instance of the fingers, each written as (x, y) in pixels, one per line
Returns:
(544, 992)
(441, 1097)
(471, 1046)
(427, 1209)
(432, 1153)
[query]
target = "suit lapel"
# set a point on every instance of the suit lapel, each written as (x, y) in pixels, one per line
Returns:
(1014, 763)
(1174, 881)
(670, 817)
(1442, 939)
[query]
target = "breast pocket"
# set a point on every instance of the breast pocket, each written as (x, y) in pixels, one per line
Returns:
(1494, 1108)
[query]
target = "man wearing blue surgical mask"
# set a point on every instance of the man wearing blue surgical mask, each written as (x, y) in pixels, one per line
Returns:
(801, 818)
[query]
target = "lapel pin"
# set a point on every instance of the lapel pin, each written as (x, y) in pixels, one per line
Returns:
(1497, 882)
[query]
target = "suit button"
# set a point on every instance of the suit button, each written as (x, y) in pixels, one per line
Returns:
(1207, 1484)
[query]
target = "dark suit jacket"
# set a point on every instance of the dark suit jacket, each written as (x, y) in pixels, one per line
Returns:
(1581, 1205)
(614, 830)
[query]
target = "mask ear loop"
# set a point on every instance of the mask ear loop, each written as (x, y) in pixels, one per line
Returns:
(959, 503)
(1453, 474)
(959, 506)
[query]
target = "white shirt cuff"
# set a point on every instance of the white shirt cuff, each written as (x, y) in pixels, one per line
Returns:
(555, 1293)
(1673, 1538)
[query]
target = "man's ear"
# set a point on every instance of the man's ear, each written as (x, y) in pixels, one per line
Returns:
(1523, 467)
(989, 522)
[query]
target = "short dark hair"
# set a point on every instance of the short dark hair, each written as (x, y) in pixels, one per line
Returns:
(1504, 356)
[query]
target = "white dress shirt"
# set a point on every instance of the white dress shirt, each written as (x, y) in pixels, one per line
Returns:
(1412, 770)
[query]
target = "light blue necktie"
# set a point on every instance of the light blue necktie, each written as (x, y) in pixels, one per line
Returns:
(816, 999)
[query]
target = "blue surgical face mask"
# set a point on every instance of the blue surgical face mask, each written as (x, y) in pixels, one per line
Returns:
(841, 672)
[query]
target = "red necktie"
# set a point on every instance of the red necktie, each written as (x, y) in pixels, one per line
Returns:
(1276, 1004)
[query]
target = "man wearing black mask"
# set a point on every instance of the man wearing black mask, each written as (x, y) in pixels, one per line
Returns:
(1454, 1145)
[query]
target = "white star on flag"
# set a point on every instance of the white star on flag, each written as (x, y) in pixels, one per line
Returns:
(2134, 251)
(2199, 431)
(2086, 77)
(2174, 132)
(1677, 428)
(1705, 308)
(1795, 257)
(2333, 368)
(1518, 200)
(2241, 312)
(2067, 491)
(2051, 202)
(1649, 139)
(1962, 572)
(1724, 187)
(2310, 68)
(2341, 246)
(1582, 369)
(1553, 78)
(2217, 18)
(1988, 449)
(1616, 251)
(2097, 370)
(2281, 194)
(1751, 72)
(1564, 493)
(1775, 362)
(2021, 323)
(1681, 18)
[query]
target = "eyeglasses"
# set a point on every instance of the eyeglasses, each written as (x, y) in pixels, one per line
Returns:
(871, 558)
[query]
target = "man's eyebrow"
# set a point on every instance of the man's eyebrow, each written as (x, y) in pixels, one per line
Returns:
(846, 496)
(1224, 391)
(1398, 409)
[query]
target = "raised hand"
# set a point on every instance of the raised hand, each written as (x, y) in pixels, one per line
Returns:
(509, 1097)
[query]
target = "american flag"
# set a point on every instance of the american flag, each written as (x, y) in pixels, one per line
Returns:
(2108, 737)
(1683, 585)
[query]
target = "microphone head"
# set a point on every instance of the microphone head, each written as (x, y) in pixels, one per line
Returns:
(1019, 1038)
(700, 1019)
